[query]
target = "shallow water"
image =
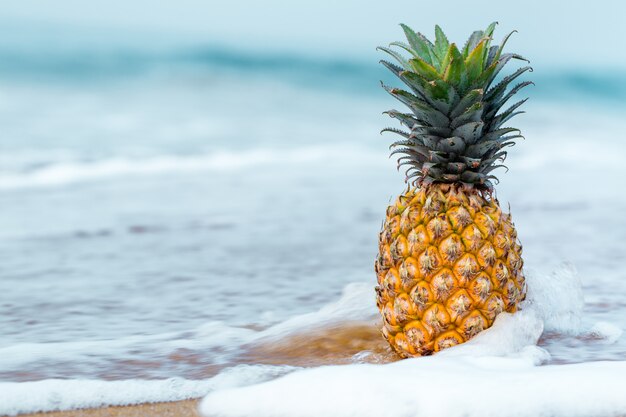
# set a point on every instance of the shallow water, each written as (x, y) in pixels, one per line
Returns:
(152, 230)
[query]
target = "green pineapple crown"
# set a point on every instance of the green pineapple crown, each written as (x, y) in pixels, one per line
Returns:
(456, 123)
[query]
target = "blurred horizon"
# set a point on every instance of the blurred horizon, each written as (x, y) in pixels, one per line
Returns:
(56, 55)
(550, 35)
(70, 42)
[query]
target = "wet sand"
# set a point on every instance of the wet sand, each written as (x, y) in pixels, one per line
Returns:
(187, 408)
(328, 345)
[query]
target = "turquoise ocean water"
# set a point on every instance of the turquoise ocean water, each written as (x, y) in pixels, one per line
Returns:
(156, 205)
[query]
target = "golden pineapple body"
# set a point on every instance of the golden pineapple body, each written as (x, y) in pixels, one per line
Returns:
(449, 262)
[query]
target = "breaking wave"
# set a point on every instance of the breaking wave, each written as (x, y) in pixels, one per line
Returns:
(56, 173)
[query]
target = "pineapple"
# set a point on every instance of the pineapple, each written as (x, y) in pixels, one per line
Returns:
(449, 260)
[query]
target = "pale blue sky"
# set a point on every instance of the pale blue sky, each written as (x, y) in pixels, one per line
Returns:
(554, 33)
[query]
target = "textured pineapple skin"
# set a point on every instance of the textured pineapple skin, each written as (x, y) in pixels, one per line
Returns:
(449, 262)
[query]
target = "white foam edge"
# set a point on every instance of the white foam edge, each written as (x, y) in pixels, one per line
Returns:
(58, 394)
(608, 333)
(355, 304)
(494, 374)
(438, 386)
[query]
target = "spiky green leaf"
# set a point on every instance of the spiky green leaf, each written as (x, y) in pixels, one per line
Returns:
(498, 91)
(501, 46)
(441, 43)
(492, 70)
(405, 47)
(420, 45)
(472, 114)
(454, 144)
(433, 93)
(471, 131)
(422, 68)
(396, 131)
(455, 73)
(431, 130)
(475, 61)
(456, 132)
(490, 29)
(472, 97)
(398, 57)
(495, 106)
(392, 67)
(471, 42)
(498, 133)
(406, 119)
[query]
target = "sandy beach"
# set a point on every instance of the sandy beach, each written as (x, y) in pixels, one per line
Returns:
(171, 409)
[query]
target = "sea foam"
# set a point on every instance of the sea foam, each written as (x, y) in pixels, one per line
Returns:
(58, 394)
(437, 386)
(355, 304)
(495, 374)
